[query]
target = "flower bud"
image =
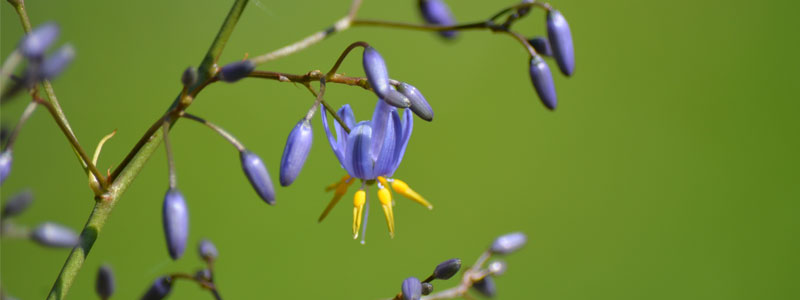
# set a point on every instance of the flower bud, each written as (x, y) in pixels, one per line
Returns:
(189, 76)
(296, 151)
(486, 287)
(207, 250)
(427, 288)
(447, 269)
(159, 289)
(17, 204)
(543, 82)
(234, 71)
(507, 244)
(54, 235)
(436, 12)
(5, 165)
(259, 178)
(561, 41)
(57, 63)
(204, 274)
(419, 105)
(105, 282)
(411, 288)
(176, 222)
(378, 77)
(541, 45)
(39, 40)
(497, 267)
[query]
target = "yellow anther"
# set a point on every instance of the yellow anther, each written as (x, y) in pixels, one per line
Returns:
(358, 210)
(383, 181)
(341, 189)
(338, 183)
(403, 189)
(386, 202)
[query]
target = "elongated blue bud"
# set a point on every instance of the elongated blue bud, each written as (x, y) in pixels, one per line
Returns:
(296, 151)
(378, 77)
(427, 288)
(234, 71)
(176, 222)
(259, 178)
(57, 63)
(105, 283)
(543, 82)
(159, 289)
(39, 40)
(207, 250)
(561, 41)
(486, 287)
(437, 12)
(506, 244)
(411, 288)
(541, 45)
(447, 269)
(189, 76)
(5, 165)
(17, 204)
(419, 105)
(54, 235)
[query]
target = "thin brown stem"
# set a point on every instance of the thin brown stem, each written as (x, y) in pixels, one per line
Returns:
(229, 137)
(26, 114)
(344, 55)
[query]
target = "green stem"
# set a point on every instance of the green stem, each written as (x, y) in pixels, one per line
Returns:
(106, 203)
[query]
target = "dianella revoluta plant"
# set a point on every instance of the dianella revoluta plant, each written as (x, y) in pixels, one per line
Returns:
(368, 151)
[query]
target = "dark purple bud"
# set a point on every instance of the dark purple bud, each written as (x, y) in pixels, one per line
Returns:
(207, 250)
(541, 45)
(427, 288)
(259, 178)
(54, 235)
(411, 288)
(296, 151)
(176, 222)
(159, 290)
(5, 165)
(561, 41)
(204, 274)
(447, 269)
(506, 244)
(39, 40)
(486, 287)
(105, 282)
(189, 76)
(525, 10)
(232, 72)
(436, 12)
(378, 77)
(419, 105)
(57, 63)
(17, 204)
(543, 82)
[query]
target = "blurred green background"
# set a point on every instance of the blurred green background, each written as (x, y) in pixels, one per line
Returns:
(669, 170)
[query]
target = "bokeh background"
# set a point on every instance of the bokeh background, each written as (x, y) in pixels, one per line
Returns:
(668, 171)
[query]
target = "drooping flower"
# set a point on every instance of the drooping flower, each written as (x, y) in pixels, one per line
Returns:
(560, 37)
(371, 152)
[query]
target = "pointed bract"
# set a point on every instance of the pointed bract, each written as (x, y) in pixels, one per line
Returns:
(105, 284)
(159, 289)
(235, 71)
(507, 244)
(419, 105)
(543, 82)
(34, 44)
(560, 37)
(259, 178)
(298, 144)
(437, 12)
(411, 288)
(175, 217)
(54, 235)
(57, 63)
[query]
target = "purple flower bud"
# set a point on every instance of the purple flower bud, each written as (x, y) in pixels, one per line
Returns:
(204, 274)
(437, 12)
(497, 268)
(105, 282)
(561, 41)
(54, 235)
(159, 289)
(543, 82)
(296, 151)
(189, 76)
(506, 244)
(259, 178)
(447, 269)
(39, 40)
(57, 63)
(486, 287)
(17, 204)
(5, 165)
(541, 45)
(411, 288)
(427, 288)
(176, 222)
(419, 105)
(234, 71)
(378, 77)
(525, 10)
(207, 250)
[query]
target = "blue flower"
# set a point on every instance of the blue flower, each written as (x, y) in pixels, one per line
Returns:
(371, 152)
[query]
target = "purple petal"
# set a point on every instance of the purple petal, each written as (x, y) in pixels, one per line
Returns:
(380, 120)
(5, 165)
(400, 148)
(335, 146)
(385, 162)
(58, 62)
(411, 288)
(36, 43)
(349, 119)
(358, 159)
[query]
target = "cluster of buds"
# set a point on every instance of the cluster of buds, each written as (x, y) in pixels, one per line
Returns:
(33, 48)
(47, 234)
(204, 277)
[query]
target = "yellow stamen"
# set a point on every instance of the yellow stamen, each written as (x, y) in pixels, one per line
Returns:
(358, 209)
(337, 184)
(403, 189)
(341, 189)
(386, 201)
